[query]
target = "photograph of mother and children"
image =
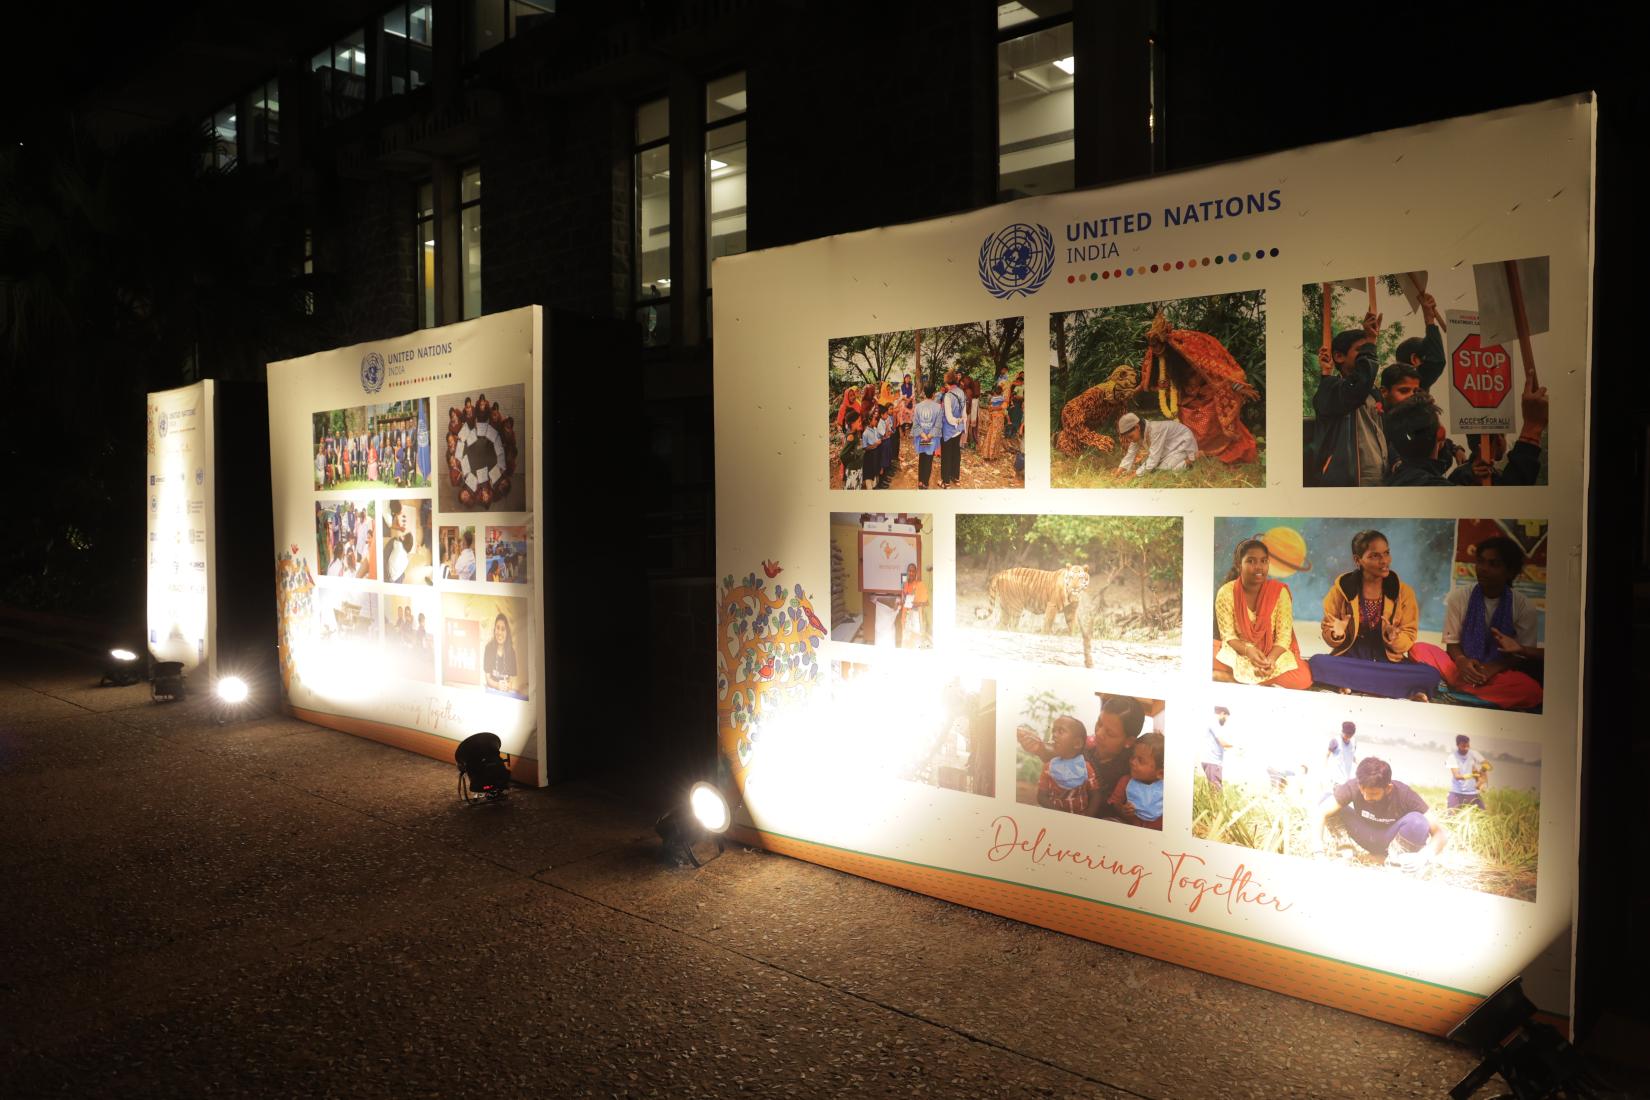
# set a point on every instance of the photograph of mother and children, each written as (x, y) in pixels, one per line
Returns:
(1447, 611)
(1110, 767)
(935, 408)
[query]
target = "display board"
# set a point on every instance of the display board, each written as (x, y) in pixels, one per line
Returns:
(182, 615)
(1256, 503)
(407, 475)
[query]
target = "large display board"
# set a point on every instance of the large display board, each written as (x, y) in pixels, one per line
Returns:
(1250, 637)
(182, 481)
(407, 475)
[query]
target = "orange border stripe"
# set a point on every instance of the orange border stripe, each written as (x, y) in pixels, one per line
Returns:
(1389, 997)
(523, 769)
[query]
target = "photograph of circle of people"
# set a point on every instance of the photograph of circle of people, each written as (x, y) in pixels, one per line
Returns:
(933, 408)
(1160, 395)
(484, 643)
(1427, 378)
(1460, 809)
(1107, 764)
(937, 730)
(882, 568)
(485, 459)
(1087, 591)
(345, 543)
(1430, 610)
(373, 446)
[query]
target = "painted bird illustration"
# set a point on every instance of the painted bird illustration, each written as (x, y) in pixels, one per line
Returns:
(772, 568)
(813, 620)
(766, 671)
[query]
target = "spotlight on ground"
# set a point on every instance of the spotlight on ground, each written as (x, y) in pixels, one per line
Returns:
(703, 816)
(166, 684)
(483, 768)
(122, 667)
(1532, 1058)
(232, 693)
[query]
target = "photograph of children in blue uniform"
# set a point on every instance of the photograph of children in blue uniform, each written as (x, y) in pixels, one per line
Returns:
(1429, 610)
(1400, 390)
(1109, 766)
(1459, 809)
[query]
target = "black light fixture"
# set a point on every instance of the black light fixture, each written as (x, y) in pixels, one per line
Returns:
(121, 667)
(483, 768)
(166, 683)
(703, 816)
(1532, 1058)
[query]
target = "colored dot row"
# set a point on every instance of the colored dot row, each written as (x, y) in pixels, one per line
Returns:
(426, 378)
(1175, 265)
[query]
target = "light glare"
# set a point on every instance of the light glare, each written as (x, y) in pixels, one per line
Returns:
(123, 655)
(232, 689)
(709, 807)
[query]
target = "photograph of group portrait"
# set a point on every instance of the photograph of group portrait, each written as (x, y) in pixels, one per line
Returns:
(1431, 610)
(1098, 757)
(1428, 378)
(1455, 808)
(882, 570)
(1160, 395)
(928, 408)
(373, 446)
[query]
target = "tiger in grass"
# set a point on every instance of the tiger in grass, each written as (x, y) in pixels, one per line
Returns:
(1051, 591)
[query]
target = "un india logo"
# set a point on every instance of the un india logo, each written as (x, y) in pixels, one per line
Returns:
(1016, 260)
(372, 372)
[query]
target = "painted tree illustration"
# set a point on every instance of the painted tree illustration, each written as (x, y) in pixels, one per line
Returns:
(767, 659)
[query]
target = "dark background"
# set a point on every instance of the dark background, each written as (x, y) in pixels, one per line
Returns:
(124, 269)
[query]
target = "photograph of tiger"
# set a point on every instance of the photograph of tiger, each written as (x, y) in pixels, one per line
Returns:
(1084, 591)
(1160, 395)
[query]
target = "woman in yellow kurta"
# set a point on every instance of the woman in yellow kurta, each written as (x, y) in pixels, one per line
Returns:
(1255, 618)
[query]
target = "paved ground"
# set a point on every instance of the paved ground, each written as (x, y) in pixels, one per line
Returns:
(272, 909)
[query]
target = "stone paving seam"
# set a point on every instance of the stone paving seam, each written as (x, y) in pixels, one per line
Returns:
(849, 994)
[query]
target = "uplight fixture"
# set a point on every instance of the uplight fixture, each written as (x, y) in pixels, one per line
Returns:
(122, 667)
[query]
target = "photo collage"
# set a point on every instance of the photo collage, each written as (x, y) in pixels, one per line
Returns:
(423, 539)
(1392, 638)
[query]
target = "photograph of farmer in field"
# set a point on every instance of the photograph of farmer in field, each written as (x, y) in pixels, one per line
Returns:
(1426, 378)
(1168, 394)
(1086, 591)
(935, 408)
(1106, 764)
(1458, 809)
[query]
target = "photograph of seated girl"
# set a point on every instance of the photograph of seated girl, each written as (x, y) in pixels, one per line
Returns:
(1255, 624)
(1138, 797)
(1370, 622)
(498, 660)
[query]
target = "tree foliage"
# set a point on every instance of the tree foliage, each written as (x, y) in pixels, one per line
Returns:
(980, 349)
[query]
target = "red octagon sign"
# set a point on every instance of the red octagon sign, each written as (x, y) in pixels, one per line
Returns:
(1482, 375)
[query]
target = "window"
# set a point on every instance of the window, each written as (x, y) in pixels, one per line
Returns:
(652, 209)
(424, 237)
(469, 222)
(221, 150)
(408, 55)
(489, 23)
(306, 297)
(726, 168)
(339, 75)
(1036, 78)
(263, 129)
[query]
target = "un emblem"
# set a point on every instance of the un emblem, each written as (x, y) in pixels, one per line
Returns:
(372, 372)
(1016, 260)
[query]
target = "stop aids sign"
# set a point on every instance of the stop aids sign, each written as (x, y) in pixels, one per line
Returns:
(1481, 375)
(1481, 379)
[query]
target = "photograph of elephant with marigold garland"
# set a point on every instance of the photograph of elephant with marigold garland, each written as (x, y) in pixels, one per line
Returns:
(1160, 395)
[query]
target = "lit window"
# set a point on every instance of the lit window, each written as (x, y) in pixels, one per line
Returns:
(652, 220)
(1036, 79)
(306, 297)
(220, 128)
(490, 23)
(424, 236)
(726, 167)
(408, 58)
(469, 221)
(264, 124)
(339, 74)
